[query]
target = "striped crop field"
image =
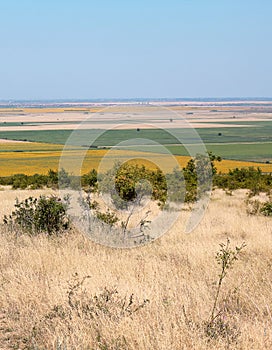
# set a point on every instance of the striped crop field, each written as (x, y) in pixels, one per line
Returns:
(38, 158)
(38, 110)
(11, 146)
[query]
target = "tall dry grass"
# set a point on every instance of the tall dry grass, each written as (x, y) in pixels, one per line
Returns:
(154, 297)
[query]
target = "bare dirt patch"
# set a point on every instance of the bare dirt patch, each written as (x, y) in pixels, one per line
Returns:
(12, 141)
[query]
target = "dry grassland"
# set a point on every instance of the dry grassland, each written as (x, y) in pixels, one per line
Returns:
(43, 307)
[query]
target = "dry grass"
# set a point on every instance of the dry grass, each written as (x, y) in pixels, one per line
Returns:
(41, 307)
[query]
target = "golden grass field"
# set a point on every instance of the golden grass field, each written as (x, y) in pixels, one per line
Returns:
(39, 158)
(44, 306)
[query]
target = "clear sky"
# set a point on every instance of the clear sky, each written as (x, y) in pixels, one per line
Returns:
(135, 48)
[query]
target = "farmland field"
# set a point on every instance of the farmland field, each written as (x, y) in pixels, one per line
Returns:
(39, 158)
(241, 133)
(253, 132)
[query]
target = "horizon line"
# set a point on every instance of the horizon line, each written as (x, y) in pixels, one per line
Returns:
(137, 99)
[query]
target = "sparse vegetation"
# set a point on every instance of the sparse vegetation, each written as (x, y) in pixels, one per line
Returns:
(162, 296)
(225, 257)
(133, 298)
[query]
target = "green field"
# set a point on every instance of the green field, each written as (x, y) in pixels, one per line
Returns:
(260, 152)
(250, 142)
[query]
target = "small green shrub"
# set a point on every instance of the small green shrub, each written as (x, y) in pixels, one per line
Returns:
(220, 325)
(108, 217)
(19, 181)
(36, 215)
(94, 205)
(266, 209)
(255, 207)
(64, 179)
(216, 326)
(90, 180)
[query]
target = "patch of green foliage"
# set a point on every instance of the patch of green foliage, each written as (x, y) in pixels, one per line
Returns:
(89, 181)
(52, 179)
(195, 179)
(22, 181)
(125, 182)
(266, 209)
(246, 178)
(37, 215)
(107, 217)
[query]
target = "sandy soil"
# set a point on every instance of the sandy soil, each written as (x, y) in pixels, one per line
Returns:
(12, 141)
(199, 114)
(124, 126)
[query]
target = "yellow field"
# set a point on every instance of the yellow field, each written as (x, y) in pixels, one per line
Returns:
(226, 165)
(29, 146)
(39, 158)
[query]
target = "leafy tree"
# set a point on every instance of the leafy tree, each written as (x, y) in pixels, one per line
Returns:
(122, 182)
(52, 178)
(90, 180)
(176, 186)
(64, 179)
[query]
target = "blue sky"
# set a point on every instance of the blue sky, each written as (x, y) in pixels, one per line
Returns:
(124, 49)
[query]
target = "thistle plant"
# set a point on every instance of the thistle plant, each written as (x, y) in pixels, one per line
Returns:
(225, 257)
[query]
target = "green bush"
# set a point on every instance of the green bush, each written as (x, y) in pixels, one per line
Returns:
(64, 180)
(90, 180)
(195, 179)
(266, 209)
(124, 182)
(108, 217)
(246, 178)
(176, 186)
(22, 181)
(19, 181)
(37, 215)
